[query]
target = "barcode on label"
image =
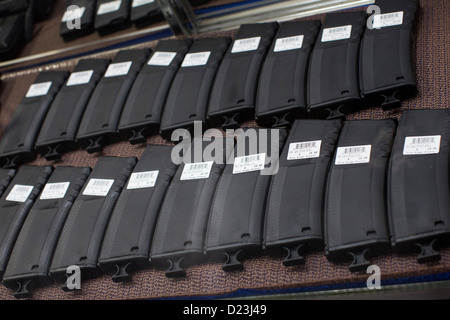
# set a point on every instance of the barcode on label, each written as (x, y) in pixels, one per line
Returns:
(421, 140)
(353, 154)
(145, 179)
(305, 145)
(254, 162)
(19, 193)
(73, 14)
(289, 43)
(337, 33)
(109, 7)
(196, 59)
(248, 44)
(422, 145)
(304, 150)
(354, 150)
(78, 78)
(38, 89)
(161, 58)
(388, 19)
(54, 190)
(198, 166)
(118, 69)
(138, 3)
(98, 187)
(197, 170)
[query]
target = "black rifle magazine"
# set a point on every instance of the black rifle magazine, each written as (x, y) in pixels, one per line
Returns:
(15, 203)
(99, 125)
(12, 35)
(58, 132)
(236, 222)
(386, 73)
(83, 231)
(145, 12)
(179, 235)
(72, 16)
(355, 223)
(111, 16)
(295, 205)
(17, 142)
(233, 95)
(189, 93)
(6, 176)
(333, 79)
(42, 10)
(28, 267)
(141, 115)
(126, 245)
(418, 184)
(281, 96)
(9, 7)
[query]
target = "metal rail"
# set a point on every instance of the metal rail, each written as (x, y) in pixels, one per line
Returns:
(424, 290)
(279, 11)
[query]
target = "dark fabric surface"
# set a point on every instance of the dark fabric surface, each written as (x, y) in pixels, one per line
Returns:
(431, 63)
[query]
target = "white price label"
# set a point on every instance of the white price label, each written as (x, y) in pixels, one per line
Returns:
(19, 193)
(353, 155)
(78, 78)
(73, 14)
(337, 33)
(197, 170)
(196, 59)
(54, 190)
(98, 187)
(161, 58)
(388, 19)
(304, 150)
(254, 162)
(38, 89)
(138, 3)
(243, 45)
(289, 43)
(108, 7)
(139, 180)
(422, 145)
(118, 69)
